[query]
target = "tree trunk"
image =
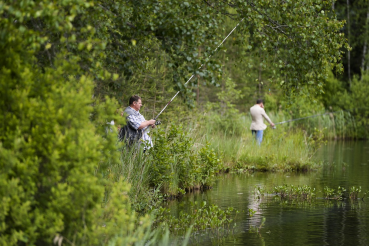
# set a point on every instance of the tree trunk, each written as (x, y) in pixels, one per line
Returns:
(198, 84)
(365, 42)
(222, 102)
(259, 81)
(348, 40)
(198, 90)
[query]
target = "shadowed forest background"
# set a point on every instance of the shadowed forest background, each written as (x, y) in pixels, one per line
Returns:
(69, 67)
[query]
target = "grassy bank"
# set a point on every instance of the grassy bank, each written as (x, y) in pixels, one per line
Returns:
(285, 148)
(189, 154)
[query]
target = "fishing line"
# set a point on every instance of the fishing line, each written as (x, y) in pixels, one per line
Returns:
(302, 118)
(199, 68)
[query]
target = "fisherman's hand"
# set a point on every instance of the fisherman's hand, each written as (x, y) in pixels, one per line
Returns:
(152, 122)
(272, 124)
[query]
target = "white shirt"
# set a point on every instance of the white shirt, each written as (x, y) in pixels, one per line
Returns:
(257, 114)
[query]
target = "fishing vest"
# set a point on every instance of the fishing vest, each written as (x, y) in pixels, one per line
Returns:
(128, 133)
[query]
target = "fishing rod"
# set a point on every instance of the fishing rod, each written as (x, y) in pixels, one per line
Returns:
(198, 69)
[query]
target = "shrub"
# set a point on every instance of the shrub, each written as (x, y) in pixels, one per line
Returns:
(48, 153)
(210, 165)
(172, 159)
(177, 164)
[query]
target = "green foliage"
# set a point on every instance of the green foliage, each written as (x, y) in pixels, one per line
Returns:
(118, 40)
(61, 59)
(54, 143)
(357, 104)
(307, 193)
(295, 192)
(49, 151)
(356, 29)
(282, 148)
(329, 193)
(354, 192)
(199, 217)
(173, 163)
(227, 118)
(353, 120)
(118, 224)
(177, 165)
(211, 165)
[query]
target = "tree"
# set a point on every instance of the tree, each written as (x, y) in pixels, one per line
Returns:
(114, 38)
(49, 147)
(355, 13)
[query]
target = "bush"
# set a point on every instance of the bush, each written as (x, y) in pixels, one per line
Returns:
(172, 162)
(48, 152)
(210, 165)
(358, 104)
(177, 164)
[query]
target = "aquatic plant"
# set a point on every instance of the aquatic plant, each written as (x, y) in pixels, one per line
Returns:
(201, 217)
(307, 193)
(256, 229)
(295, 192)
(355, 193)
(259, 192)
(251, 212)
(330, 193)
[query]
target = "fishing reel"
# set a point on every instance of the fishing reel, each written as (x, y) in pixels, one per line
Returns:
(158, 122)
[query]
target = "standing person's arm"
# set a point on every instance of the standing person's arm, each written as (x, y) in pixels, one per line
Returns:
(267, 117)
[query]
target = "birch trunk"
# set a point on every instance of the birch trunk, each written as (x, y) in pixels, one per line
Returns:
(348, 40)
(366, 41)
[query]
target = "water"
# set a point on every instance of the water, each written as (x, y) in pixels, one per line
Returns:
(320, 223)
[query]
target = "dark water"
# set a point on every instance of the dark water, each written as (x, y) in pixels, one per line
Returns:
(320, 223)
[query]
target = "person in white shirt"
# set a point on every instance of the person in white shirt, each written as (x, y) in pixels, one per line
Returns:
(257, 125)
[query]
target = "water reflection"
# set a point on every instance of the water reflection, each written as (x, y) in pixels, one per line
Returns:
(292, 223)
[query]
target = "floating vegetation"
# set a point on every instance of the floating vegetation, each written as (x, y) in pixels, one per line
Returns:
(294, 192)
(307, 193)
(209, 219)
(329, 193)
(355, 193)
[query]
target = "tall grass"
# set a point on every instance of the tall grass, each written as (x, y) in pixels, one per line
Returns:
(284, 148)
(133, 168)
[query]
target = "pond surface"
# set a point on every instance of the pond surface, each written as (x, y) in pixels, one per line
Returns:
(295, 223)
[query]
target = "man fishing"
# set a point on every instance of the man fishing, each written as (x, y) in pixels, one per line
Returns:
(136, 123)
(257, 125)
